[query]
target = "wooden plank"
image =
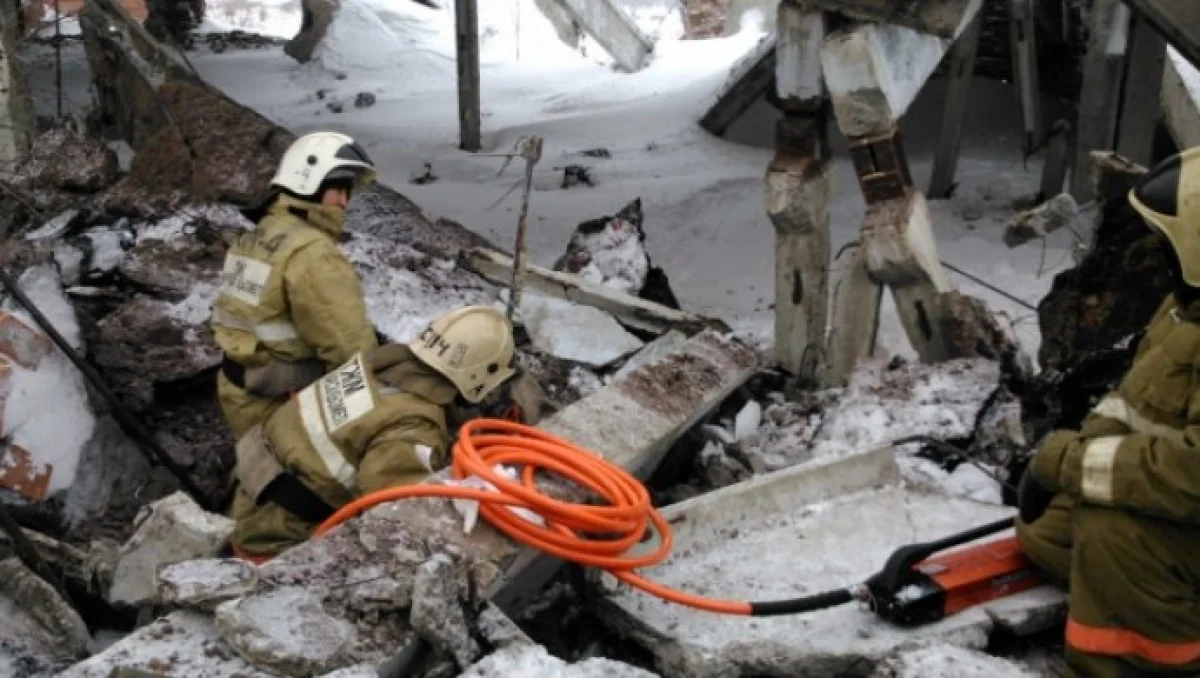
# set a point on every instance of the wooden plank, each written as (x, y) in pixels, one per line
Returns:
(466, 29)
(633, 311)
(1141, 105)
(1177, 20)
(958, 94)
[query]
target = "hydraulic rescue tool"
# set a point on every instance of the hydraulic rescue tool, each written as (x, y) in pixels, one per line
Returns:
(917, 585)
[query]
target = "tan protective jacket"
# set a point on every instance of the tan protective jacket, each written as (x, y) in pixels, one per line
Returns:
(372, 423)
(288, 295)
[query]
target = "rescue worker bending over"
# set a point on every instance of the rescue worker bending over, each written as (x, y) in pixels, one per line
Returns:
(1113, 510)
(290, 306)
(377, 421)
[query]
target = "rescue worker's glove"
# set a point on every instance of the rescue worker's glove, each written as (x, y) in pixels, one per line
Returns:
(1032, 498)
(1041, 482)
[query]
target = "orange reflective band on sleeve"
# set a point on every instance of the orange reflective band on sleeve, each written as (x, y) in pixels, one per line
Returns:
(1124, 642)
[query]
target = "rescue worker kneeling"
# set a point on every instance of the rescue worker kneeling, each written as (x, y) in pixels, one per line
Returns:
(1112, 510)
(379, 420)
(291, 307)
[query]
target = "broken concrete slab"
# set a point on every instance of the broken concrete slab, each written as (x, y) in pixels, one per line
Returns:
(570, 331)
(534, 660)
(875, 71)
(204, 583)
(653, 352)
(438, 596)
(16, 104)
(630, 310)
(285, 631)
(632, 422)
(749, 79)
(805, 541)
(618, 34)
(941, 660)
(943, 18)
(170, 530)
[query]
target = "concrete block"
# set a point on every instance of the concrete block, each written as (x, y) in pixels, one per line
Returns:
(204, 583)
(608, 23)
(16, 104)
(36, 624)
(875, 71)
(170, 530)
(943, 18)
(653, 352)
(803, 542)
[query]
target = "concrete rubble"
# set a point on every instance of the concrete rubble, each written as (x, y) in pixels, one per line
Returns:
(632, 422)
(16, 106)
(1041, 221)
(204, 584)
(39, 631)
(813, 528)
(533, 660)
(285, 631)
(170, 530)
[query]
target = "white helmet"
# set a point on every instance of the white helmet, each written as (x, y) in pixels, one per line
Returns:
(472, 347)
(317, 158)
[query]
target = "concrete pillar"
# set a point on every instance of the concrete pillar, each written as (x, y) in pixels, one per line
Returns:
(1141, 102)
(16, 105)
(799, 182)
(874, 72)
(856, 302)
(1101, 91)
(958, 94)
(1022, 36)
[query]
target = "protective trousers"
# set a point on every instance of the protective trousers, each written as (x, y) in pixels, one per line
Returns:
(1133, 589)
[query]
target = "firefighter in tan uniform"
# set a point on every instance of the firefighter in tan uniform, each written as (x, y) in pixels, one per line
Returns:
(290, 306)
(379, 420)
(1112, 510)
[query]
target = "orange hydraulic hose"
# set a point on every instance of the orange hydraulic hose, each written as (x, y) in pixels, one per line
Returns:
(572, 531)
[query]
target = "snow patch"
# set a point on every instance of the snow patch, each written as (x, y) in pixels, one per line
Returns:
(402, 39)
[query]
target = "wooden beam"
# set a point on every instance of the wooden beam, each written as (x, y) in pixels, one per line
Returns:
(466, 29)
(631, 310)
(1141, 105)
(958, 94)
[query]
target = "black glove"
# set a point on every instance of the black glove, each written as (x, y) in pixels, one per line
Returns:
(1032, 498)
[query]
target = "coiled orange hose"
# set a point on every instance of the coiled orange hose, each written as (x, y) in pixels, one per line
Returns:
(572, 531)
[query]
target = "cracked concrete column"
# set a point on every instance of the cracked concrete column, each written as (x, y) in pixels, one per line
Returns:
(16, 105)
(799, 183)
(874, 73)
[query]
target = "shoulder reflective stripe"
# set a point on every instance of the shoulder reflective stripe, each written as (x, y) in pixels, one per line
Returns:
(314, 426)
(1127, 642)
(275, 331)
(1098, 459)
(1115, 407)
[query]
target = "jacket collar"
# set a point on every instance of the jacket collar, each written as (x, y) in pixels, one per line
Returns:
(396, 367)
(326, 219)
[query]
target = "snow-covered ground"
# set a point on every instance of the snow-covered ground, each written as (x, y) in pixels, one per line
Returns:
(703, 196)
